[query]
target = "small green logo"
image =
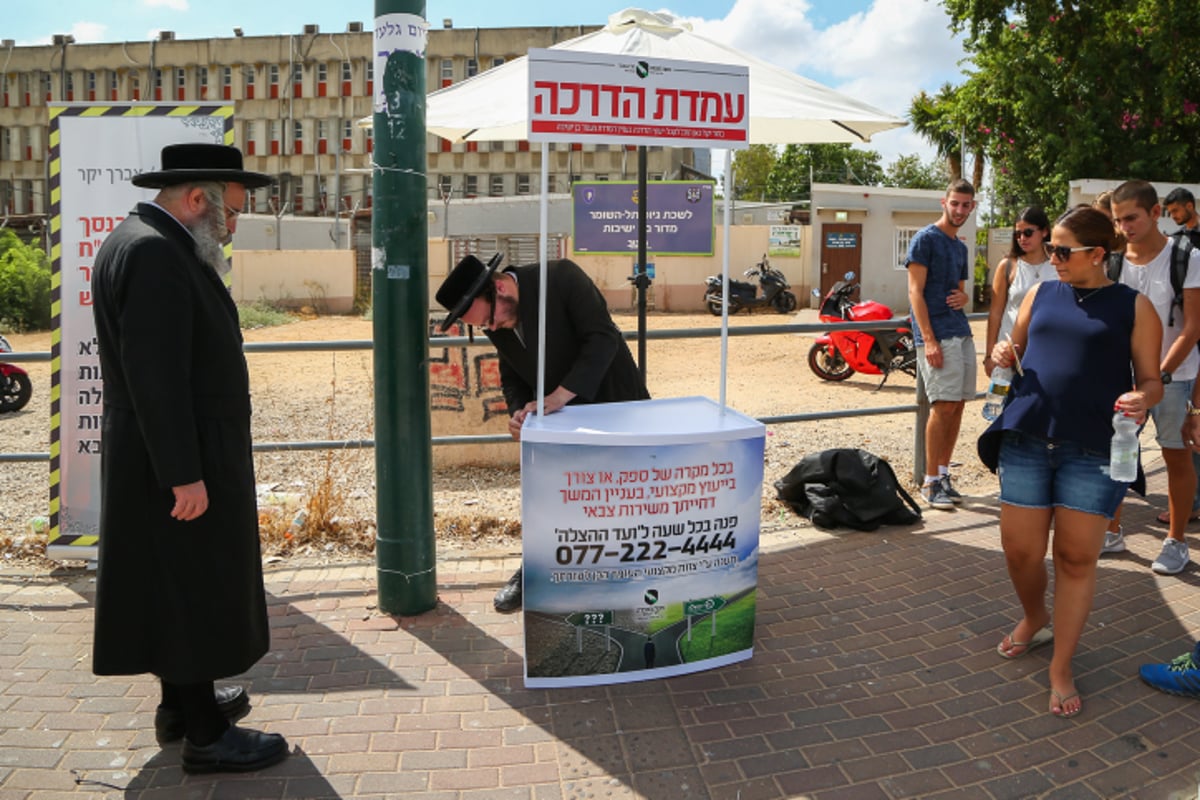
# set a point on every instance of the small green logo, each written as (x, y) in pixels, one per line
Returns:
(643, 69)
(651, 596)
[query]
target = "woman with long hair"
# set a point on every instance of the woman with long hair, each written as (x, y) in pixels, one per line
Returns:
(1025, 266)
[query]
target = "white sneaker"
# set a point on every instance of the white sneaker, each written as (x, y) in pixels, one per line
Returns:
(1114, 541)
(1173, 558)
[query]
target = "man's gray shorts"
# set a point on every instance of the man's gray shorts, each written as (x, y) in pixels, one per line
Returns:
(955, 380)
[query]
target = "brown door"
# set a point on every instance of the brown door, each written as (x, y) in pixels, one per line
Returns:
(841, 252)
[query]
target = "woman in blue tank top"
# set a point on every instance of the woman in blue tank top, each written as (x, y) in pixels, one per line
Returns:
(1088, 347)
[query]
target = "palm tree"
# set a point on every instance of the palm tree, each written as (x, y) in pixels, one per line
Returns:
(936, 120)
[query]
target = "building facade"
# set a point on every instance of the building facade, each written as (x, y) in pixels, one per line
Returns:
(298, 99)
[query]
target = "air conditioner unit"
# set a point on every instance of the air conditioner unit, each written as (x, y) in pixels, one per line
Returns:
(312, 28)
(166, 36)
(354, 27)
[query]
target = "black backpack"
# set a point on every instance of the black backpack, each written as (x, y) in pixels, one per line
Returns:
(1182, 244)
(845, 487)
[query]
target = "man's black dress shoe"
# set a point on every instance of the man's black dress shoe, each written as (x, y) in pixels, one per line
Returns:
(509, 596)
(238, 750)
(232, 702)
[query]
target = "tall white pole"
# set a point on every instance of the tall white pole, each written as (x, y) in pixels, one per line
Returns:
(725, 273)
(543, 227)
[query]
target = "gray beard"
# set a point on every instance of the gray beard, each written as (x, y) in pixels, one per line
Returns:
(209, 248)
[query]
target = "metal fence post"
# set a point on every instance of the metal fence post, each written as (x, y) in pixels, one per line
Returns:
(405, 545)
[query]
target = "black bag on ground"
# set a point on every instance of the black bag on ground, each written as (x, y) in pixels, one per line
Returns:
(845, 487)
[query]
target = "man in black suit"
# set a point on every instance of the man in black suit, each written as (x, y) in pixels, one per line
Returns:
(587, 360)
(179, 589)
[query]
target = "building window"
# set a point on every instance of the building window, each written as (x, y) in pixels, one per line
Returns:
(903, 236)
(497, 61)
(322, 79)
(5, 143)
(370, 140)
(4, 86)
(273, 136)
(202, 81)
(471, 186)
(523, 183)
(298, 137)
(112, 85)
(180, 83)
(27, 197)
(322, 136)
(157, 80)
(273, 81)
(472, 67)
(249, 79)
(135, 86)
(70, 90)
(226, 83)
(496, 186)
(248, 139)
(370, 77)
(347, 76)
(445, 186)
(47, 85)
(91, 86)
(26, 92)
(297, 80)
(447, 72)
(347, 135)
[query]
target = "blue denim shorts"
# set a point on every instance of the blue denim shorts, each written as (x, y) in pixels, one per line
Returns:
(1035, 473)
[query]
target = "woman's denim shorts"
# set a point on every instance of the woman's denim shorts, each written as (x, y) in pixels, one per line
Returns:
(1035, 473)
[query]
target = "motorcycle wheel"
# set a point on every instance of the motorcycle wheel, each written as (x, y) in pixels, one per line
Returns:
(15, 391)
(784, 302)
(714, 305)
(826, 366)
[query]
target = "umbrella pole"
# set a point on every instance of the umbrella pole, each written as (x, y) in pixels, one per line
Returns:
(725, 273)
(543, 225)
(643, 280)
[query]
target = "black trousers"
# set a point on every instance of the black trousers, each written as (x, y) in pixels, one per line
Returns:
(203, 721)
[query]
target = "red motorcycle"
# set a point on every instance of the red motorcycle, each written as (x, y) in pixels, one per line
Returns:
(15, 386)
(838, 354)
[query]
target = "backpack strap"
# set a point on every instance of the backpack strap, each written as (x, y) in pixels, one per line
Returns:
(1113, 265)
(1181, 253)
(883, 465)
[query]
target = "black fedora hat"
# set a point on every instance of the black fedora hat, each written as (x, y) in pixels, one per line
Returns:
(464, 283)
(192, 162)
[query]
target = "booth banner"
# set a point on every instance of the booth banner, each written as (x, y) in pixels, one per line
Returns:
(639, 561)
(679, 217)
(606, 98)
(94, 151)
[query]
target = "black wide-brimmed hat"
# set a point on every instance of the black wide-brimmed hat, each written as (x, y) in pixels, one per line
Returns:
(464, 283)
(193, 162)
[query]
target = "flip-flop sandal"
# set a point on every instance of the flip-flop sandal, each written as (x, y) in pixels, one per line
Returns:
(1062, 714)
(1164, 518)
(1042, 637)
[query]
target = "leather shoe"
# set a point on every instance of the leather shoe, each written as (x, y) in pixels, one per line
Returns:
(238, 750)
(232, 702)
(509, 597)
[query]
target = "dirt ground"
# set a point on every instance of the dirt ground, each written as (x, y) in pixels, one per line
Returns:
(321, 395)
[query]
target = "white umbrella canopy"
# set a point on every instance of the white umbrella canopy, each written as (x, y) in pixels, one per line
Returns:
(784, 107)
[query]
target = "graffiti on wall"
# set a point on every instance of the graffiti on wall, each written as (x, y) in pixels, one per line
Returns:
(461, 383)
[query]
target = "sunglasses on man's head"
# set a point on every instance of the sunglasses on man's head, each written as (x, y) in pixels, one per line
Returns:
(1061, 251)
(1023, 232)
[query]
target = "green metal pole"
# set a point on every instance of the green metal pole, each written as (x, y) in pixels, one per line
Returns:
(405, 551)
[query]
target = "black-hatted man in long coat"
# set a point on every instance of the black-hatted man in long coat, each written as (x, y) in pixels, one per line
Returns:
(179, 589)
(587, 359)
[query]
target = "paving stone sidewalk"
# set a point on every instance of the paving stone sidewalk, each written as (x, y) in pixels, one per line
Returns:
(874, 676)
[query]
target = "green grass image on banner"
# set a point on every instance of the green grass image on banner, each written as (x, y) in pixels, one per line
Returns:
(735, 632)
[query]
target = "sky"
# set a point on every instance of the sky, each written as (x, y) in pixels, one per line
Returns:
(880, 51)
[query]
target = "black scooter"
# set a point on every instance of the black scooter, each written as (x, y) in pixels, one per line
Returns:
(744, 294)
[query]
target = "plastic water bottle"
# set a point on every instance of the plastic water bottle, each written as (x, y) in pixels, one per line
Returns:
(996, 392)
(1123, 454)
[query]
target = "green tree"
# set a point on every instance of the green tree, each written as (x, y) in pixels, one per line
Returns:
(24, 284)
(827, 163)
(1061, 89)
(750, 170)
(942, 121)
(910, 172)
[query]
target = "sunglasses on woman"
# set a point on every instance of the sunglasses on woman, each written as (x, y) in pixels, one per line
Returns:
(1062, 251)
(1025, 232)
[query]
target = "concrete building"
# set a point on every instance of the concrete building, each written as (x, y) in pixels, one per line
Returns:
(297, 99)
